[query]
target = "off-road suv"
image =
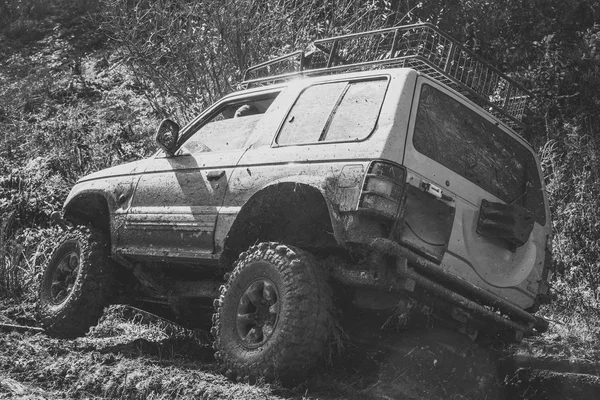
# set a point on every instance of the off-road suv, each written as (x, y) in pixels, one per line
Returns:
(379, 168)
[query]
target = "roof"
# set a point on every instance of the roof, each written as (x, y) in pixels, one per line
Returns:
(422, 47)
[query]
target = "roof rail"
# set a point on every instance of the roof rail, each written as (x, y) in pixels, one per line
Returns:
(422, 47)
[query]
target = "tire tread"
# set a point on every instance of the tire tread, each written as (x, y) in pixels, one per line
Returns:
(309, 318)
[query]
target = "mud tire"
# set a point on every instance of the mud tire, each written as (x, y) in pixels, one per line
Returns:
(90, 292)
(303, 323)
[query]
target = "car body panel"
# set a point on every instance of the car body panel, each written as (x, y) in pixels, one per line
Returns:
(489, 263)
(167, 208)
(320, 165)
(175, 207)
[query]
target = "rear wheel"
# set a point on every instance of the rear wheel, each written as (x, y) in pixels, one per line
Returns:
(77, 284)
(273, 316)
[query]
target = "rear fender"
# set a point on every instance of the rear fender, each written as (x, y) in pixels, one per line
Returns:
(293, 212)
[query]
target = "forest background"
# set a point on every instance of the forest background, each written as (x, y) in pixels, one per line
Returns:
(65, 113)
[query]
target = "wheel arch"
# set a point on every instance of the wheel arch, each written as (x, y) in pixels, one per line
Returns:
(89, 208)
(293, 213)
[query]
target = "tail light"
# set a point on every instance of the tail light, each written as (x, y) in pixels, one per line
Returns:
(383, 189)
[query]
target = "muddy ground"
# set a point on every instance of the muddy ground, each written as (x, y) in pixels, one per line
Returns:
(134, 355)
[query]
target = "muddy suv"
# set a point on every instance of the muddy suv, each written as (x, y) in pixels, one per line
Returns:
(378, 171)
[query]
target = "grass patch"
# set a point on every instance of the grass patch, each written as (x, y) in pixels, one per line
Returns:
(574, 323)
(67, 109)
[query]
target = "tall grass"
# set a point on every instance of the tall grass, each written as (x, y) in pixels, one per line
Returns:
(64, 113)
(195, 52)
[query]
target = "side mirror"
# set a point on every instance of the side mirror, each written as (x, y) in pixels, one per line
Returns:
(167, 136)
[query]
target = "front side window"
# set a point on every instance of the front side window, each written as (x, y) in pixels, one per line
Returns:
(334, 112)
(229, 126)
(457, 137)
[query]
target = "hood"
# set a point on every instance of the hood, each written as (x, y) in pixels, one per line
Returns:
(117, 171)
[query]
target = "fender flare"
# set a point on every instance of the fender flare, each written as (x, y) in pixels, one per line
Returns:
(249, 227)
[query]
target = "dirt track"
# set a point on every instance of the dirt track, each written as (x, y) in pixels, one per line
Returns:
(135, 356)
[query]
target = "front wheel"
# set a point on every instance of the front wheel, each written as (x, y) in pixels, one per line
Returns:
(273, 316)
(76, 285)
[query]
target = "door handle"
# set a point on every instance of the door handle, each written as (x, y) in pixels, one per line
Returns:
(215, 175)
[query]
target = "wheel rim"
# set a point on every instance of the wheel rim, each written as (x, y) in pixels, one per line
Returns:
(257, 313)
(64, 277)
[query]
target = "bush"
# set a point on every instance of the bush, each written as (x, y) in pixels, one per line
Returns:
(25, 252)
(195, 52)
(62, 115)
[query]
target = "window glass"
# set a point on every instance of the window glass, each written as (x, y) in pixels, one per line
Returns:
(221, 135)
(229, 126)
(307, 119)
(470, 145)
(339, 111)
(356, 116)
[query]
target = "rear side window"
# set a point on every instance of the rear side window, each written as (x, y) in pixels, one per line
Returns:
(462, 140)
(334, 112)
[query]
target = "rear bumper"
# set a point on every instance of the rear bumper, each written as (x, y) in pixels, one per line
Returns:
(446, 292)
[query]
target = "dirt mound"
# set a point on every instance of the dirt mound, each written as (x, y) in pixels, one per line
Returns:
(129, 367)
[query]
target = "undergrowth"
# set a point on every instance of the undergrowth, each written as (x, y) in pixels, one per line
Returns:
(68, 106)
(83, 84)
(574, 314)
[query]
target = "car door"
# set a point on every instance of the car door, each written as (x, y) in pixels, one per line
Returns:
(177, 200)
(459, 161)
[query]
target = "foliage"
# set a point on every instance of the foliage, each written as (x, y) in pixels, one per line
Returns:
(195, 52)
(64, 114)
(24, 255)
(27, 20)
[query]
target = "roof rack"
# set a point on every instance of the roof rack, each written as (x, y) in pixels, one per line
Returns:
(422, 47)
